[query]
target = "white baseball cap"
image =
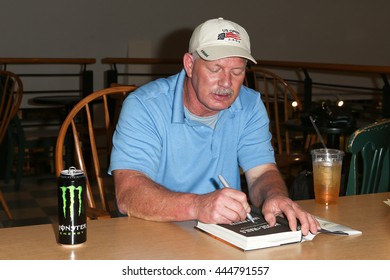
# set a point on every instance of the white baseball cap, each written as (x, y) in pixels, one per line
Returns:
(220, 38)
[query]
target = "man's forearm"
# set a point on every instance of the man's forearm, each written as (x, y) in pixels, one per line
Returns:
(267, 185)
(140, 197)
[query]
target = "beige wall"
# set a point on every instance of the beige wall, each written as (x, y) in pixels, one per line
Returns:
(332, 31)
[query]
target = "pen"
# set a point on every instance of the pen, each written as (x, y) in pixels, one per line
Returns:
(226, 185)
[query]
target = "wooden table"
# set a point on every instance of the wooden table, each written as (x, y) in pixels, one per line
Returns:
(132, 238)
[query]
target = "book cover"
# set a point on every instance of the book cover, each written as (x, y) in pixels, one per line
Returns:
(249, 236)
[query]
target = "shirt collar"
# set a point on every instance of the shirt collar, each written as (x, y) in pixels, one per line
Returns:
(178, 104)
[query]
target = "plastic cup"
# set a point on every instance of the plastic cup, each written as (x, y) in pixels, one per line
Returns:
(327, 165)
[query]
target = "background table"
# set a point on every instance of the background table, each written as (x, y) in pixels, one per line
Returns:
(58, 100)
(136, 239)
(332, 133)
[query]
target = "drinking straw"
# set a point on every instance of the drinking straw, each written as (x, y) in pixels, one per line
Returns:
(318, 132)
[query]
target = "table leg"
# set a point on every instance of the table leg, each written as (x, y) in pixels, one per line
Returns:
(333, 141)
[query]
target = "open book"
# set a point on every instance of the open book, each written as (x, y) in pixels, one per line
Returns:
(249, 236)
(331, 228)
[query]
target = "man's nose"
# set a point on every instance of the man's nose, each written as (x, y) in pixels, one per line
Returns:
(226, 80)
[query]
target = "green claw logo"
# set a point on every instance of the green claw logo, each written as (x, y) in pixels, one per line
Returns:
(72, 190)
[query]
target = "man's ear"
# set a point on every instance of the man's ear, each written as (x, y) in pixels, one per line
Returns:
(188, 63)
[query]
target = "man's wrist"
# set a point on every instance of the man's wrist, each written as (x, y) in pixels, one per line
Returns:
(192, 207)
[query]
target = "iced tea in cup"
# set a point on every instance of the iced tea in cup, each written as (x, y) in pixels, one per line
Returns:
(327, 175)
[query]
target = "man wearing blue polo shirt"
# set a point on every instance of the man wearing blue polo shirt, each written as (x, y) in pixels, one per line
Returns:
(176, 135)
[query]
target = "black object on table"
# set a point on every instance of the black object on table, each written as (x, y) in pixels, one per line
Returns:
(332, 133)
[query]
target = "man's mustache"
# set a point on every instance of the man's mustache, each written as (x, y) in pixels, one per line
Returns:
(224, 91)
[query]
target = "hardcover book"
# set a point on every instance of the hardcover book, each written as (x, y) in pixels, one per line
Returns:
(249, 235)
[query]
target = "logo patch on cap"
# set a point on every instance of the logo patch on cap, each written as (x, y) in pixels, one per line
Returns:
(230, 35)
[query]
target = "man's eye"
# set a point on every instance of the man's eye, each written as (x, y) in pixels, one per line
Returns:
(238, 72)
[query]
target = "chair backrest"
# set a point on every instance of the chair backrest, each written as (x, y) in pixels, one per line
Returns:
(11, 93)
(278, 97)
(91, 124)
(370, 161)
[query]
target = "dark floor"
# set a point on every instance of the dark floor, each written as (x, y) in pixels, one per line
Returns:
(35, 202)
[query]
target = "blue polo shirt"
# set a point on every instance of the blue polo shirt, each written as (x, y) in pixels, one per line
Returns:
(153, 136)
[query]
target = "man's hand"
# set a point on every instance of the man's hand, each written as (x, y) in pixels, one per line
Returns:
(223, 206)
(268, 191)
(284, 206)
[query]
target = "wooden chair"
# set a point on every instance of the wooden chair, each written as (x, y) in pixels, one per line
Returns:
(370, 149)
(282, 103)
(84, 131)
(11, 93)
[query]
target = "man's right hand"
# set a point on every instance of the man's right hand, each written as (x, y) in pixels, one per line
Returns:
(222, 206)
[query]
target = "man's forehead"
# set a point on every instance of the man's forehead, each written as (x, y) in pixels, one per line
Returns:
(234, 62)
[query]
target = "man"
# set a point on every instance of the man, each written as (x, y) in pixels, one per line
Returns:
(176, 135)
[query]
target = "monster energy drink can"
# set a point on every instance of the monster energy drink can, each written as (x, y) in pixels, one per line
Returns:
(72, 224)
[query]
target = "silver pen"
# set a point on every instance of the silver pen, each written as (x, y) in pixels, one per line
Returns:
(226, 185)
